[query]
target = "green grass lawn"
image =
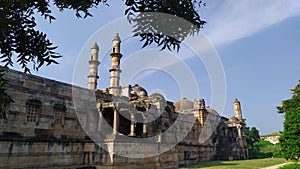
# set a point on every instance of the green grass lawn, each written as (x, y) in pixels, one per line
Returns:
(239, 164)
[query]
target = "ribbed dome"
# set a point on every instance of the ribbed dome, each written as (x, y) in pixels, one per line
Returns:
(139, 91)
(212, 111)
(157, 97)
(183, 104)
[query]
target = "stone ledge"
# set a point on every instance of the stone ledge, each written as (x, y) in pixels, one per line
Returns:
(63, 139)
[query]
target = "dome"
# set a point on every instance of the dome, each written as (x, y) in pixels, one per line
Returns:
(139, 91)
(157, 97)
(159, 101)
(233, 120)
(212, 111)
(183, 104)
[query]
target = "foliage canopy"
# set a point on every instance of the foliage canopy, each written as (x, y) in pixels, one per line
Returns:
(5, 99)
(290, 140)
(252, 136)
(259, 148)
(19, 37)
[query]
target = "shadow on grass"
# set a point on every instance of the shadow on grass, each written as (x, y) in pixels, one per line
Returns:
(210, 164)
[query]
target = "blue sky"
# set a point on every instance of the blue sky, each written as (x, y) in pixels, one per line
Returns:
(257, 41)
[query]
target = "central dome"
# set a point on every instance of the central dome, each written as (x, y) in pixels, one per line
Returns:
(212, 111)
(183, 104)
(138, 91)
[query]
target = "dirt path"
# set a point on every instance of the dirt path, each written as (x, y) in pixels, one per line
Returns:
(276, 166)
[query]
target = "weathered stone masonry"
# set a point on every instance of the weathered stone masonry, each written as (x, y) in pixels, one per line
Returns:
(44, 125)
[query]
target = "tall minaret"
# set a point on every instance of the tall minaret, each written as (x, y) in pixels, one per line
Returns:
(237, 109)
(94, 63)
(115, 70)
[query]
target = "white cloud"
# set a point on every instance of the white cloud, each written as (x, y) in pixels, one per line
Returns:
(231, 20)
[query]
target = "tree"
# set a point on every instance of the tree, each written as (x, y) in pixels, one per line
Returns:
(290, 140)
(266, 149)
(252, 136)
(20, 39)
(5, 98)
(259, 148)
(167, 32)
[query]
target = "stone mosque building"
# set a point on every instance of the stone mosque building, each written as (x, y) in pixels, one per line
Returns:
(52, 124)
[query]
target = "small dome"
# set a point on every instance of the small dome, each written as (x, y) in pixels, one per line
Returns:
(159, 101)
(183, 104)
(139, 91)
(157, 97)
(212, 111)
(233, 120)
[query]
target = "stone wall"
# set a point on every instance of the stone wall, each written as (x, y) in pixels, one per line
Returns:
(29, 153)
(42, 142)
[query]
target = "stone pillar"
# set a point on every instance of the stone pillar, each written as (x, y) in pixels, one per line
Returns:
(159, 137)
(144, 129)
(116, 121)
(144, 126)
(100, 122)
(94, 63)
(239, 131)
(132, 125)
(115, 70)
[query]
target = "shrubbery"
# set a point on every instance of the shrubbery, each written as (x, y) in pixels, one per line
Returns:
(291, 166)
(265, 149)
(259, 148)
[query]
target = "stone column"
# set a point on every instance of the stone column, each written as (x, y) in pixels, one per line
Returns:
(144, 128)
(159, 137)
(239, 130)
(144, 125)
(100, 122)
(116, 121)
(132, 125)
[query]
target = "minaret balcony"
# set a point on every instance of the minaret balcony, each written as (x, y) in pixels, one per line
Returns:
(96, 76)
(119, 55)
(96, 62)
(115, 69)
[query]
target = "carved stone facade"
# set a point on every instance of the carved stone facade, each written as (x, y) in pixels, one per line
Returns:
(52, 124)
